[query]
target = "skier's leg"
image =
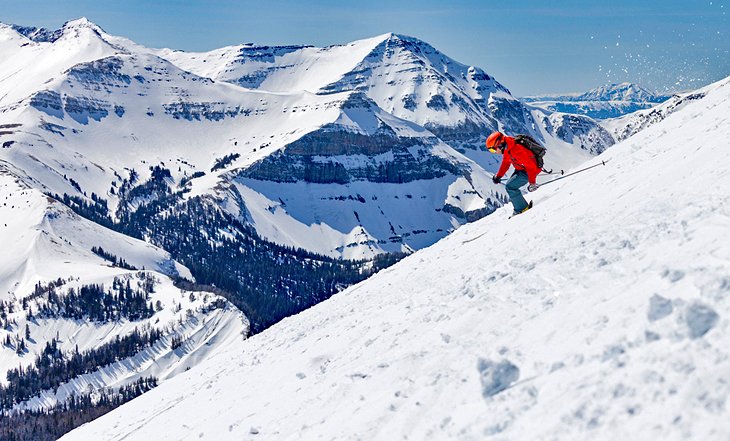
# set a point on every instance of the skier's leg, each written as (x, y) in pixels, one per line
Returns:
(518, 179)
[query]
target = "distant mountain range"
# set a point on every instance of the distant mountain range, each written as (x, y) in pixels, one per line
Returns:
(609, 101)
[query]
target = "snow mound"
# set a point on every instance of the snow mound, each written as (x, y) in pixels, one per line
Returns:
(548, 326)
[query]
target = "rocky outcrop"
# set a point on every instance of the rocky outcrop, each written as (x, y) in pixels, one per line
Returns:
(81, 109)
(400, 165)
(326, 156)
(101, 74)
(204, 111)
(331, 141)
(49, 102)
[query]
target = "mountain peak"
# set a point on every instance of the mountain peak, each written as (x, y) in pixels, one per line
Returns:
(43, 35)
(80, 25)
(81, 22)
(402, 38)
(620, 92)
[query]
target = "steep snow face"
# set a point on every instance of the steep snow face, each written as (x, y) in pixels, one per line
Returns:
(601, 313)
(403, 75)
(275, 68)
(412, 80)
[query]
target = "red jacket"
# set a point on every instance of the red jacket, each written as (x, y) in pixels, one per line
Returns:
(521, 158)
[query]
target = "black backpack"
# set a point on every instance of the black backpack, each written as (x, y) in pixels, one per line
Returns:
(532, 145)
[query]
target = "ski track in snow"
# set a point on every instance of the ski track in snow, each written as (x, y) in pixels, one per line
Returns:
(603, 313)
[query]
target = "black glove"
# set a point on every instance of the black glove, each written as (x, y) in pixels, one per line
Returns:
(532, 187)
(496, 179)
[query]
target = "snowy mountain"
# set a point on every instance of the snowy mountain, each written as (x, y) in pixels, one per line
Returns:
(609, 101)
(404, 76)
(575, 320)
(58, 273)
(259, 149)
(130, 101)
(621, 92)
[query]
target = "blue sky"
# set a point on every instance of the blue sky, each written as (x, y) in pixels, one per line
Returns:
(530, 46)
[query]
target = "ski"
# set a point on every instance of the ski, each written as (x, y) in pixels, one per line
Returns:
(529, 205)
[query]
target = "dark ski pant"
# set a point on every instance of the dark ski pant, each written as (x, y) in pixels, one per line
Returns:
(518, 179)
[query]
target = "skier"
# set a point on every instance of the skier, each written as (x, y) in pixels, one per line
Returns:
(525, 164)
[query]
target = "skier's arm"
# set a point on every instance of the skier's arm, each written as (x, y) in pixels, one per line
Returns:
(504, 167)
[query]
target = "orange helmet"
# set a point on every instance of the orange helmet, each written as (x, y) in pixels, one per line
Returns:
(495, 141)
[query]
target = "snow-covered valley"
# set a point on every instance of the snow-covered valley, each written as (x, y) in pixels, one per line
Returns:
(602, 314)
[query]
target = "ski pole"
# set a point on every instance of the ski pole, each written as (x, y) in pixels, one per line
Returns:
(575, 172)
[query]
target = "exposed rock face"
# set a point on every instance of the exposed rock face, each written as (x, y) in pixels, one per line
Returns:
(101, 74)
(465, 135)
(321, 157)
(49, 102)
(512, 115)
(200, 111)
(39, 35)
(473, 215)
(81, 109)
(331, 141)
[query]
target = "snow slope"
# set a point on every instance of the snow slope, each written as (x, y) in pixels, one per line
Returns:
(602, 313)
(43, 241)
(78, 41)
